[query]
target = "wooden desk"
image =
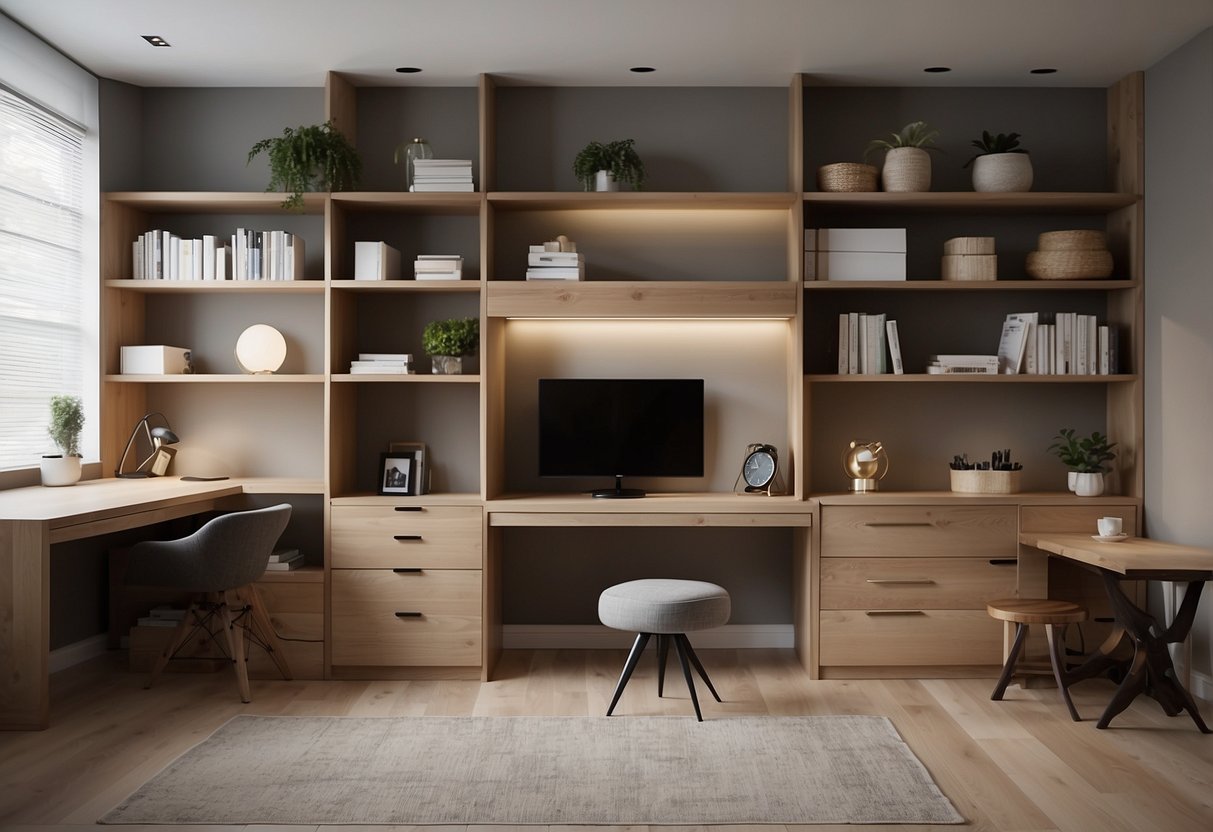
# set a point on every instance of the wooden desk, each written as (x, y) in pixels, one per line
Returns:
(31, 519)
(1151, 669)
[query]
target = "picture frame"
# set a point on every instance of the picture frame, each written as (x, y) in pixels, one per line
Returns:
(397, 474)
(419, 481)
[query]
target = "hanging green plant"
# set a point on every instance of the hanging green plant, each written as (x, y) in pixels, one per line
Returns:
(314, 158)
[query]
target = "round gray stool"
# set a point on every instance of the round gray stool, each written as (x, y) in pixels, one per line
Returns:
(668, 609)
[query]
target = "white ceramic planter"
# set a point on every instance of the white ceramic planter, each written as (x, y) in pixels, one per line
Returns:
(906, 169)
(60, 470)
(1072, 480)
(1002, 173)
(603, 181)
(1088, 485)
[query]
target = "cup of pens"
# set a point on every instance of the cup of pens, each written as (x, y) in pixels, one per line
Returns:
(996, 475)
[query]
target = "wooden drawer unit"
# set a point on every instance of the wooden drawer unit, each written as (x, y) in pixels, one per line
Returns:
(899, 638)
(1075, 518)
(880, 531)
(420, 618)
(915, 583)
(377, 537)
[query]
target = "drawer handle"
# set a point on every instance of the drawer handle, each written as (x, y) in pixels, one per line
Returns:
(897, 525)
(875, 613)
(408, 508)
(914, 581)
(406, 537)
(407, 570)
(408, 614)
(1004, 561)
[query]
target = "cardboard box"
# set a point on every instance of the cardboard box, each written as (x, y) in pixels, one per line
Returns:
(157, 360)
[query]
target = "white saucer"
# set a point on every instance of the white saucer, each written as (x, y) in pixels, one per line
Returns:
(1110, 538)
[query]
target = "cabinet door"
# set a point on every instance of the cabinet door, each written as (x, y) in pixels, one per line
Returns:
(918, 531)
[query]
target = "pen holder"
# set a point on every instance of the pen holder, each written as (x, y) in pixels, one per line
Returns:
(985, 482)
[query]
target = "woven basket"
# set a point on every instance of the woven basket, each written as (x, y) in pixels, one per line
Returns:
(1069, 265)
(846, 177)
(1080, 240)
(985, 482)
(907, 170)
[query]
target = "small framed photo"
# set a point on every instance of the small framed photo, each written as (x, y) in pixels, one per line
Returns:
(397, 473)
(419, 481)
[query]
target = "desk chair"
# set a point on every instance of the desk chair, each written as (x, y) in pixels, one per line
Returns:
(218, 564)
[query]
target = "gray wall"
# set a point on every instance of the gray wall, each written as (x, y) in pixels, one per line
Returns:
(1179, 308)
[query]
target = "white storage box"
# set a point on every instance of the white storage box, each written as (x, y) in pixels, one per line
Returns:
(156, 360)
(376, 261)
(860, 254)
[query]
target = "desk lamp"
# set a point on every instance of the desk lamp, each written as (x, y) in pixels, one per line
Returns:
(157, 461)
(865, 463)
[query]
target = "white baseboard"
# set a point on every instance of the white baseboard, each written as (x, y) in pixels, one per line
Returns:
(81, 651)
(598, 637)
(1202, 686)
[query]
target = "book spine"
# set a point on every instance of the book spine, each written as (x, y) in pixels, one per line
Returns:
(853, 343)
(843, 343)
(894, 348)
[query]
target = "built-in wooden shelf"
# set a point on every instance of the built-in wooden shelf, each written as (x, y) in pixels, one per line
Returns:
(407, 285)
(280, 485)
(400, 378)
(215, 202)
(438, 499)
(632, 200)
(287, 287)
(970, 285)
(966, 378)
(220, 378)
(444, 202)
(994, 203)
(641, 299)
(899, 498)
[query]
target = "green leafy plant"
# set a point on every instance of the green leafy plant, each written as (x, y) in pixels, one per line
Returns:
(454, 336)
(1085, 454)
(315, 158)
(1002, 143)
(67, 421)
(619, 158)
(915, 134)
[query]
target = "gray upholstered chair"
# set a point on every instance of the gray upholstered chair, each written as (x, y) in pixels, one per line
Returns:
(218, 564)
(669, 609)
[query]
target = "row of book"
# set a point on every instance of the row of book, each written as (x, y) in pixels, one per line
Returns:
(868, 344)
(377, 363)
(248, 255)
(439, 175)
(1073, 344)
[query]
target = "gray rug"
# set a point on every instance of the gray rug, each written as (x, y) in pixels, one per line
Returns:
(543, 770)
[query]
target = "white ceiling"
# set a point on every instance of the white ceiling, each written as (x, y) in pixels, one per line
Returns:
(593, 42)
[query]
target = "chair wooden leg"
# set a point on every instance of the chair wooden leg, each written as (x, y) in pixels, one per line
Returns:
(1008, 669)
(637, 648)
(180, 633)
(1059, 670)
(235, 642)
(264, 627)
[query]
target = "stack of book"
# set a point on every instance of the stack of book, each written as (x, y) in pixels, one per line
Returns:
(438, 267)
(864, 340)
(433, 175)
(386, 363)
(545, 264)
(944, 365)
(162, 255)
(284, 560)
(162, 616)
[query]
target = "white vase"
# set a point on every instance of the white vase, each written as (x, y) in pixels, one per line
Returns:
(603, 181)
(1088, 484)
(1072, 480)
(447, 365)
(906, 169)
(60, 470)
(1002, 173)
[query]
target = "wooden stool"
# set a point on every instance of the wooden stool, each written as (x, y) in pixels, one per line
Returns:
(1025, 611)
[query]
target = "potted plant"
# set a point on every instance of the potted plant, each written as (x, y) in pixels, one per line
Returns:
(1085, 457)
(446, 342)
(601, 167)
(67, 421)
(907, 165)
(315, 158)
(1000, 164)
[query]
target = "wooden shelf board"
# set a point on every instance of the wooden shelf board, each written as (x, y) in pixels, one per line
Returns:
(302, 575)
(220, 378)
(452, 202)
(1041, 202)
(280, 485)
(632, 200)
(441, 499)
(406, 285)
(934, 497)
(641, 299)
(666, 508)
(965, 378)
(214, 202)
(969, 285)
(289, 287)
(411, 378)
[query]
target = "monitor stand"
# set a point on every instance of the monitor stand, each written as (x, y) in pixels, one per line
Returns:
(618, 492)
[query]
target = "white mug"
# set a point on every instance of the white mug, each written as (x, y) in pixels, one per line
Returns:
(1109, 526)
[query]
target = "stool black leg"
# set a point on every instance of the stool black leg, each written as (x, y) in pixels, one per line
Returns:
(637, 648)
(1059, 671)
(663, 650)
(1008, 670)
(686, 642)
(686, 672)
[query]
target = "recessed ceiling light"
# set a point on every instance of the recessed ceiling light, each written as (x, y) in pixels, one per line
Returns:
(408, 69)
(641, 69)
(1044, 70)
(156, 40)
(938, 69)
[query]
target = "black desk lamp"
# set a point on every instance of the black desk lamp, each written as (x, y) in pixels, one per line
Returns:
(157, 461)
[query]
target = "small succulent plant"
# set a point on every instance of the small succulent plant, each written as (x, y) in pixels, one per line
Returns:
(1001, 143)
(914, 134)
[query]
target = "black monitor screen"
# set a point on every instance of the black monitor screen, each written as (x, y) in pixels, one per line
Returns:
(620, 427)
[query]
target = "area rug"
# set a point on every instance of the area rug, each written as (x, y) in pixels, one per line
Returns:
(543, 770)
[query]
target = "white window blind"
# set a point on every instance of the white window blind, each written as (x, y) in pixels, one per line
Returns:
(45, 332)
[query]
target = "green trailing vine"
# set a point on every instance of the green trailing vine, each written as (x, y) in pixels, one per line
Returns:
(619, 158)
(314, 158)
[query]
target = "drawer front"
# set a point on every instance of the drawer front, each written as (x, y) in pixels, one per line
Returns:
(1074, 518)
(915, 583)
(918, 531)
(377, 537)
(924, 637)
(441, 624)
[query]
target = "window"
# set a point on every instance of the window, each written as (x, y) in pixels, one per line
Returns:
(48, 330)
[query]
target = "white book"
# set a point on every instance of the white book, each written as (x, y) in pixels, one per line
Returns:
(1013, 346)
(554, 258)
(853, 343)
(965, 360)
(387, 370)
(385, 356)
(894, 348)
(285, 566)
(284, 554)
(208, 257)
(382, 363)
(455, 275)
(174, 257)
(877, 344)
(440, 163)
(1102, 346)
(556, 273)
(1092, 345)
(863, 344)
(976, 369)
(440, 257)
(294, 255)
(438, 265)
(223, 262)
(137, 259)
(843, 340)
(466, 187)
